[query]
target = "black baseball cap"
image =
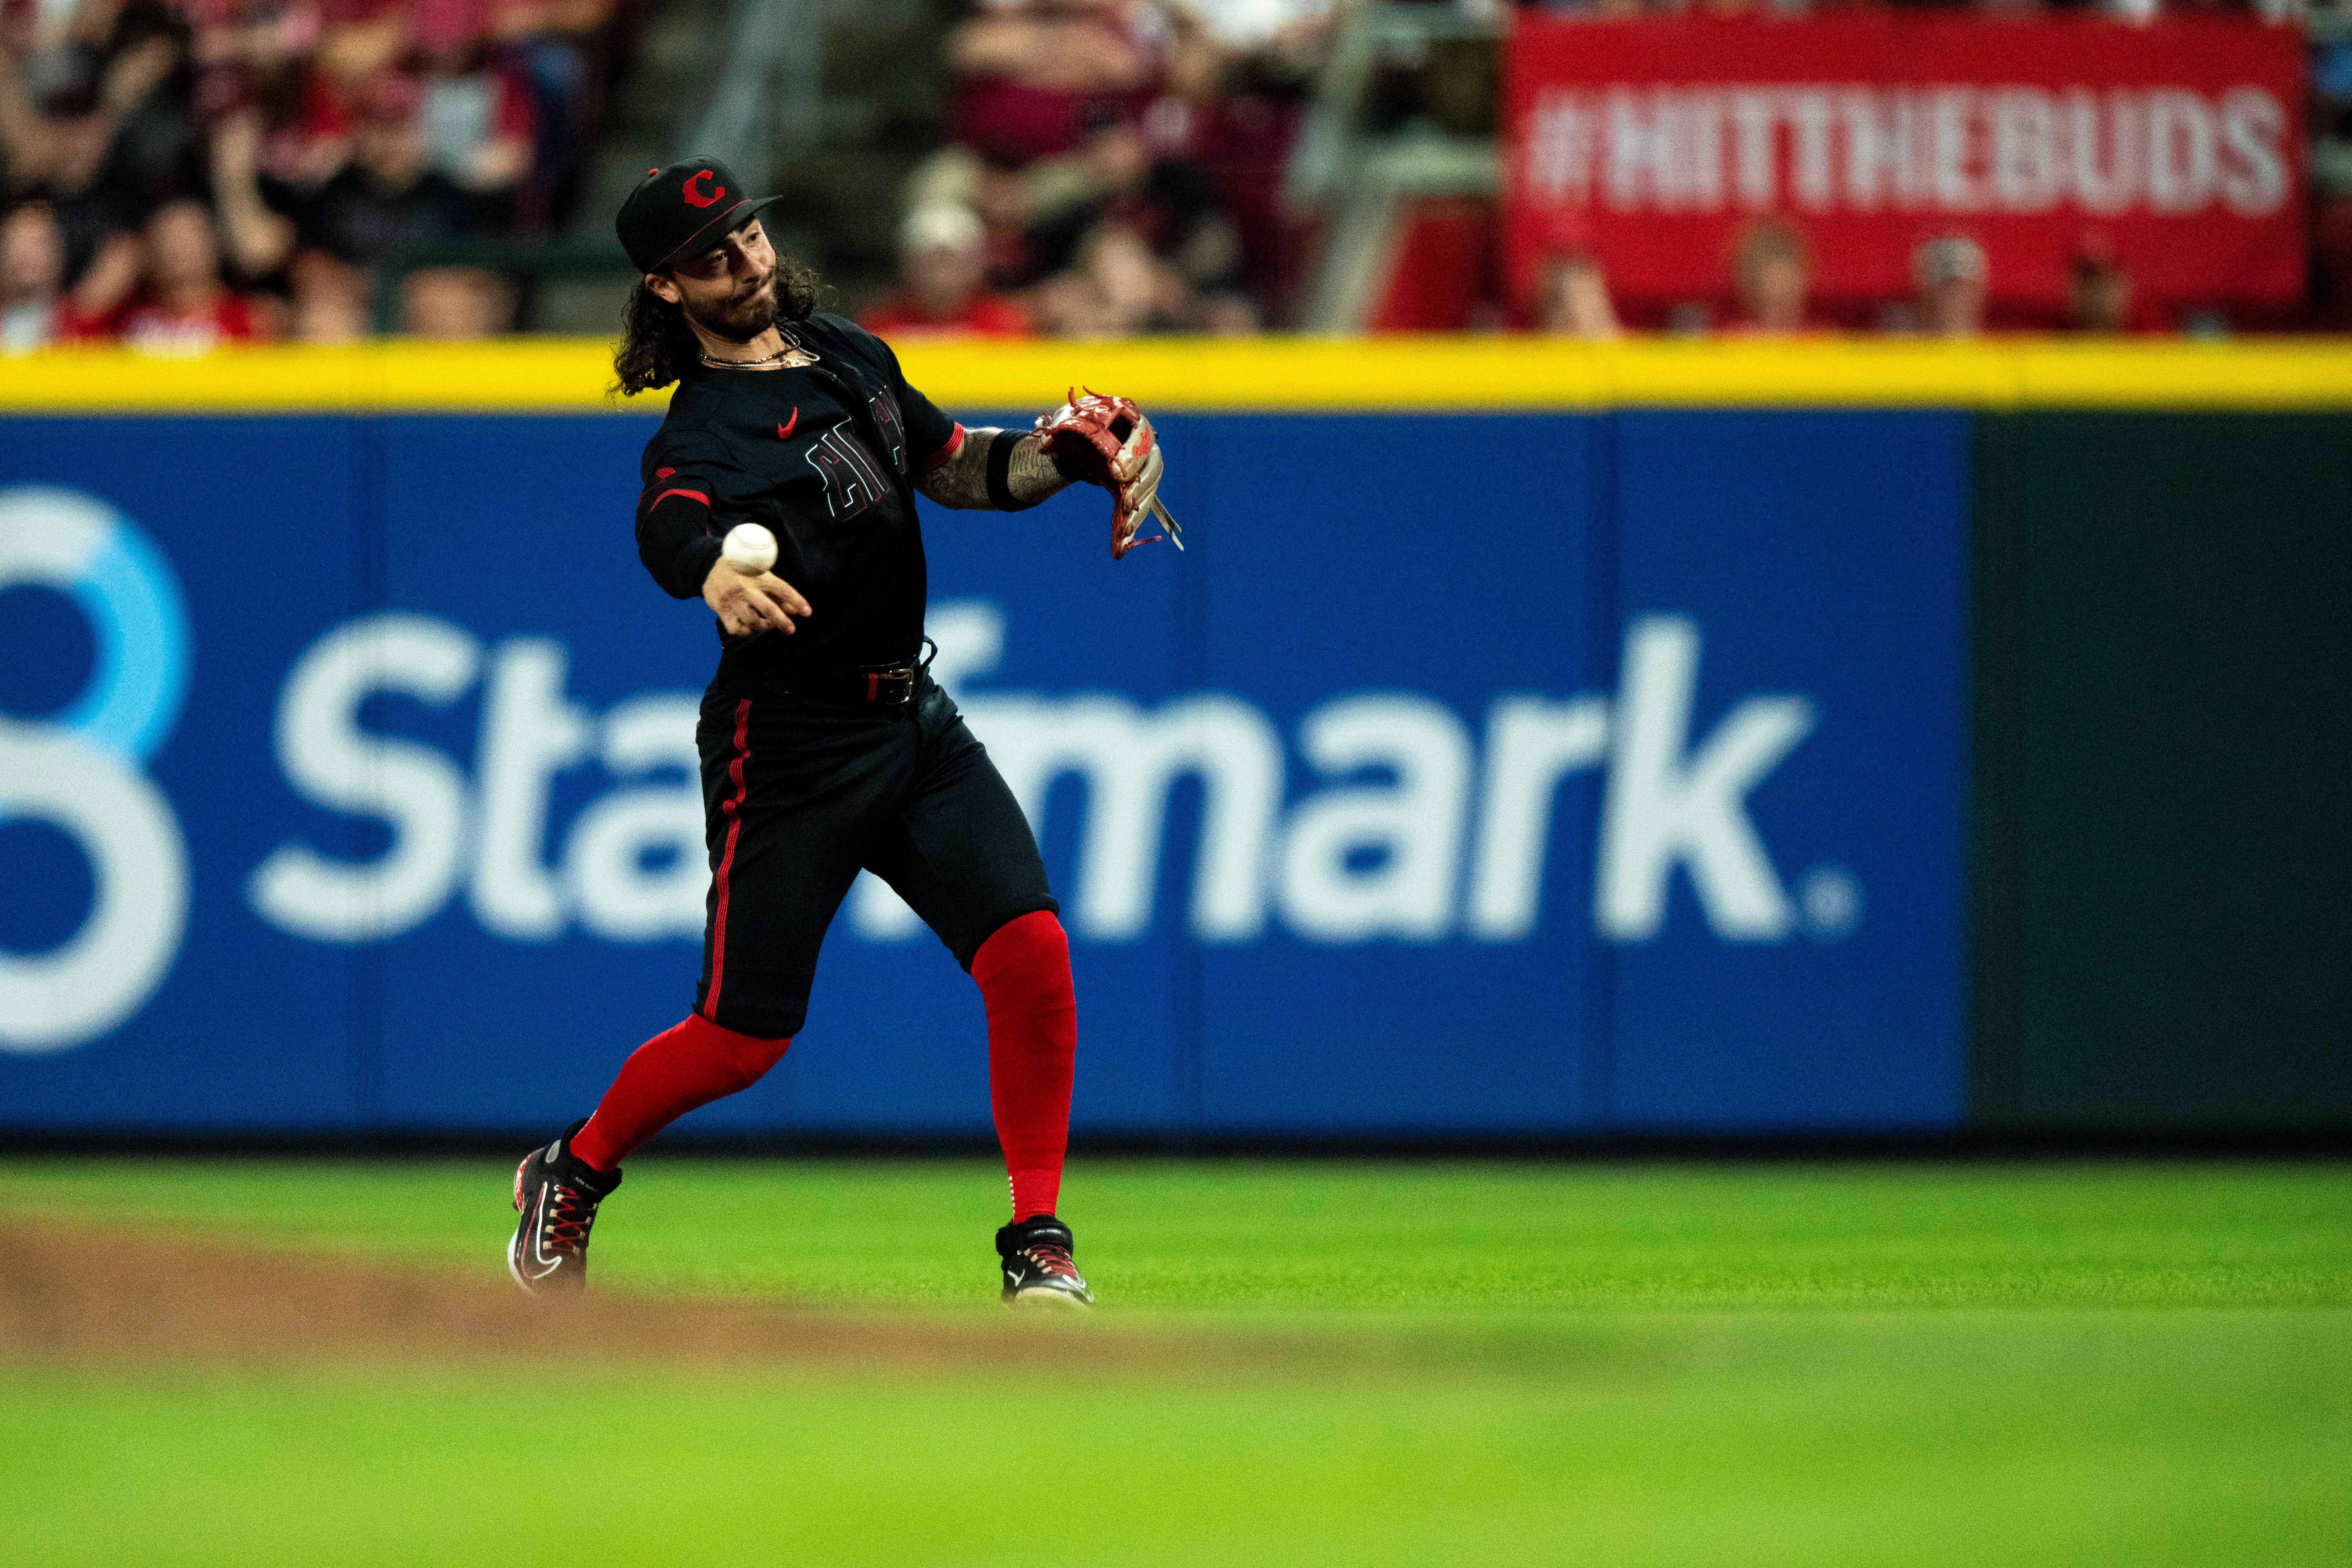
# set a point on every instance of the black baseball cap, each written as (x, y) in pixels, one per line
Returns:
(683, 209)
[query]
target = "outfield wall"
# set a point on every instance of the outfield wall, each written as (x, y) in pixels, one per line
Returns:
(2163, 698)
(1534, 742)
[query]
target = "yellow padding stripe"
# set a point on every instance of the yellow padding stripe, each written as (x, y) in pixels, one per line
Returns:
(1463, 374)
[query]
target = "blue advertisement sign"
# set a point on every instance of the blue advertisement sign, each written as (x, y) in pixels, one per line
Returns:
(1501, 775)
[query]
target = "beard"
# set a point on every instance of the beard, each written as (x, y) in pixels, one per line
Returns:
(740, 317)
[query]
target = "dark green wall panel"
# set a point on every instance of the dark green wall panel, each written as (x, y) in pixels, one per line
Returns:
(2163, 771)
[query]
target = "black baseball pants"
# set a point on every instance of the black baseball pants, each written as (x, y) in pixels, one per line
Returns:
(799, 795)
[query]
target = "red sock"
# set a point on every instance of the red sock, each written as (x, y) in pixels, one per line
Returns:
(679, 1069)
(1033, 1044)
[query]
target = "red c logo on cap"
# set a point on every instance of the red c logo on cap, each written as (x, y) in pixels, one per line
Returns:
(695, 198)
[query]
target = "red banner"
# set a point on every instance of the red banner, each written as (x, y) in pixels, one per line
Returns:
(2179, 148)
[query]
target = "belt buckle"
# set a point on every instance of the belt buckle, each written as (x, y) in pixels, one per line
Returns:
(895, 685)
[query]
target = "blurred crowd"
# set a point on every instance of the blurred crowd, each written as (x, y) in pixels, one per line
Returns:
(1112, 168)
(181, 173)
(176, 173)
(1772, 288)
(2129, 10)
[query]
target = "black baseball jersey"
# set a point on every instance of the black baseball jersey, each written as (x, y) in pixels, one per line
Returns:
(824, 456)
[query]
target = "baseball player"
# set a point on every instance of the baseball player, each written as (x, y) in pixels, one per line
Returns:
(827, 747)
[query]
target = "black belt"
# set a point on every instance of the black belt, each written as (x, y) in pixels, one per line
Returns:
(885, 686)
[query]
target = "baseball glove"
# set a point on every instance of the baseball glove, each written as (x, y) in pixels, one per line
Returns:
(1107, 441)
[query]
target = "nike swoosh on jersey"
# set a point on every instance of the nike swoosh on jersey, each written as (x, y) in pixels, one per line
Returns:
(785, 431)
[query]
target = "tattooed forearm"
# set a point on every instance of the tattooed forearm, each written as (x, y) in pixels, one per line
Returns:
(962, 480)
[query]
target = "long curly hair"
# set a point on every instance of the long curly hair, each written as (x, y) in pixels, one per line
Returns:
(656, 345)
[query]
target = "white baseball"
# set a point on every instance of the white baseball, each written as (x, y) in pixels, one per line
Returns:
(749, 548)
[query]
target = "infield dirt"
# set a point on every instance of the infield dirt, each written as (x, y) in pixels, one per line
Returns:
(79, 1291)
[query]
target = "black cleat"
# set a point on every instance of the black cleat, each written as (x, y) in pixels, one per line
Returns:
(1038, 1269)
(556, 1194)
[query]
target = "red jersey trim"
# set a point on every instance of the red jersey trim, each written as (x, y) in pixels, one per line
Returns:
(690, 495)
(953, 444)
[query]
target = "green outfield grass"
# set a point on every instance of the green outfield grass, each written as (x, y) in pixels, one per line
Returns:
(1830, 1364)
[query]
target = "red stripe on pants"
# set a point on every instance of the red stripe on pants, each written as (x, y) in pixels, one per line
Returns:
(731, 809)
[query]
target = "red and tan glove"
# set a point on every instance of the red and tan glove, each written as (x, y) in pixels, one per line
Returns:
(1107, 441)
